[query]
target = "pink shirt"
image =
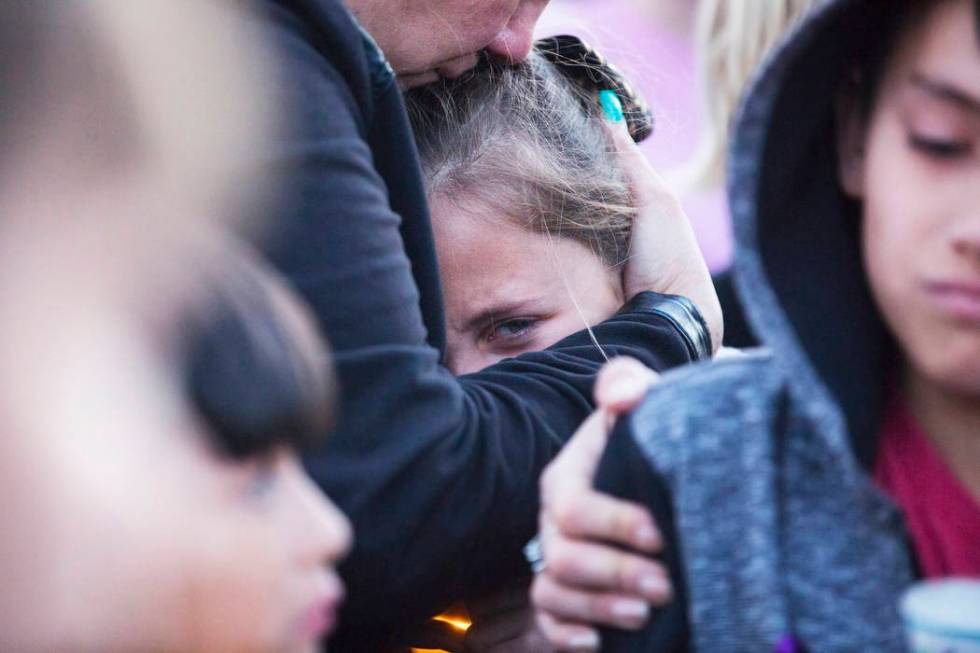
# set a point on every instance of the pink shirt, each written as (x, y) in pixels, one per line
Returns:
(942, 517)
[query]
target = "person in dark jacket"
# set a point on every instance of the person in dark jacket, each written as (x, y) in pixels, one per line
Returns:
(532, 210)
(809, 487)
(438, 475)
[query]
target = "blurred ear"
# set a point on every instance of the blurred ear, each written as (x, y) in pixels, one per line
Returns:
(851, 133)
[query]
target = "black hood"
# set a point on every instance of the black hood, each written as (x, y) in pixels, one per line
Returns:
(798, 265)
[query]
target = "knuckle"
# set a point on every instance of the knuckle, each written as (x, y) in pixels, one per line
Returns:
(549, 628)
(542, 593)
(599, 608)
(624, 520)
(626, 572)
(566, 515)
(562, 565)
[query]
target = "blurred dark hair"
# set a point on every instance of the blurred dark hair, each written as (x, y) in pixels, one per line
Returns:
(257, 371)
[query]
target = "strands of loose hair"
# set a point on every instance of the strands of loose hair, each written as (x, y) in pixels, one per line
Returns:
(525, 141)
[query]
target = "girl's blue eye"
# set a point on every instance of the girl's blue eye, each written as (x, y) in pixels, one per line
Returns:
(511, 330)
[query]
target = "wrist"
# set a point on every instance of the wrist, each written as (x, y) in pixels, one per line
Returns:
(682, 313)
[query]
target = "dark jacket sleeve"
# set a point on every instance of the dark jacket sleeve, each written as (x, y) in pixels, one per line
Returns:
(625, 473)
(438, 474)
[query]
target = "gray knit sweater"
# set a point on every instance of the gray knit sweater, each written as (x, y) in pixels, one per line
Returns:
(783, 533)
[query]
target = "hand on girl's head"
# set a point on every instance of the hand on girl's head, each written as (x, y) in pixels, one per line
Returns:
(664, 253)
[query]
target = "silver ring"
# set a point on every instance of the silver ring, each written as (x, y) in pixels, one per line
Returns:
(534, 554)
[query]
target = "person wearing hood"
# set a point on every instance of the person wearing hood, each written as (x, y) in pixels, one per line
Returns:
(801, 490)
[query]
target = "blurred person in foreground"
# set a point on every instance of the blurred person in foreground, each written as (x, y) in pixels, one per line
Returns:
(809, 487)
(438, 474)
(149, 500)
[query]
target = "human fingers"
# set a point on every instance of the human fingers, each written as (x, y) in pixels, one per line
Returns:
(585, 514)
(571, 508)
(574, 468)
(603, 568)
(664, 253)
(622, 383)
(644, 181)
(570, 604)
(567, 636)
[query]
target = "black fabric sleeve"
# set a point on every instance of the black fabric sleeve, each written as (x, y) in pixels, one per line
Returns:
(438, 474)
(738, 332)
(625, 473)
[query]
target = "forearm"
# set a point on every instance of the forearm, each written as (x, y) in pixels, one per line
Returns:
(441, 480)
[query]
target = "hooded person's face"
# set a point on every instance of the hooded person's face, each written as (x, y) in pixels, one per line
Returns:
(915, 165)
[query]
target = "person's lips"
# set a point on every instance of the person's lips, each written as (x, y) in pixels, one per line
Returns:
(959, 300)
(320, 617)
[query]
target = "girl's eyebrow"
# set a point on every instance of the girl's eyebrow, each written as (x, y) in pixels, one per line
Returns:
(946, 91)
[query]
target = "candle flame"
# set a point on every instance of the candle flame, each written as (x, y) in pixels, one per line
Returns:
(458, 622)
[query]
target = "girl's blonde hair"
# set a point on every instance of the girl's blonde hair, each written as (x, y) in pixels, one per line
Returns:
(530, 144)
(732, 38)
